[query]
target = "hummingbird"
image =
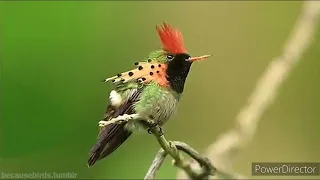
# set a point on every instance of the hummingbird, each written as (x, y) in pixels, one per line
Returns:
(149, 92)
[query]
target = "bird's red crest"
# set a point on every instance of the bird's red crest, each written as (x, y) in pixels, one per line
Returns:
(172, 39)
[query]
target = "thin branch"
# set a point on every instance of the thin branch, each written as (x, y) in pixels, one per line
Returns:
(203, 161)
(173, 152)
(156, 164)
(223, 151)
(173, 148)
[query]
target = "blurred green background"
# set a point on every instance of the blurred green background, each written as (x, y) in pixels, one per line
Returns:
(55, 54)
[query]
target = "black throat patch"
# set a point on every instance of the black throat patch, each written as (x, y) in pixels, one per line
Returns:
(177, 72)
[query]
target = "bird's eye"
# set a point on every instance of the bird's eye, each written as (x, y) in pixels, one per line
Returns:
(170, 57)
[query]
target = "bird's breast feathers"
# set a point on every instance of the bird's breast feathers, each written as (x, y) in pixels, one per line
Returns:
(154, 101)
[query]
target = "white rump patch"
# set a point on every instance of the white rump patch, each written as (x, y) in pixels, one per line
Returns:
(115, 98)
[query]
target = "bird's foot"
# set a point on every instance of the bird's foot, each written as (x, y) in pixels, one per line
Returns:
(160, 130)
(151, 124)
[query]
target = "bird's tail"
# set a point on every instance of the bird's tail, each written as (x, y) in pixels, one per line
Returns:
(109, 140)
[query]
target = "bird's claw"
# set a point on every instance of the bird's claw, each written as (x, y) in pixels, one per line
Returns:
(151, 126)
(160, 131)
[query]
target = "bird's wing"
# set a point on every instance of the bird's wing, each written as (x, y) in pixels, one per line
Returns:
(113, 135)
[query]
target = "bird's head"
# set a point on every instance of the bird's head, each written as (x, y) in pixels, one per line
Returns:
(173, 49)
(168, 67)
(174, 55)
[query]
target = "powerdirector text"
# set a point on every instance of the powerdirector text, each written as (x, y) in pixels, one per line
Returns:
(285, 169)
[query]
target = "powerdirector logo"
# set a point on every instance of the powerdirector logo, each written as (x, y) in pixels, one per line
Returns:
(285, 169)
(39, 175)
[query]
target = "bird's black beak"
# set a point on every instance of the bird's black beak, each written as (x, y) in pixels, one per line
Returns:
(199, 58)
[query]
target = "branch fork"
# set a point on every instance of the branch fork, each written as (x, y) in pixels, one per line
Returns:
(172, 148)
